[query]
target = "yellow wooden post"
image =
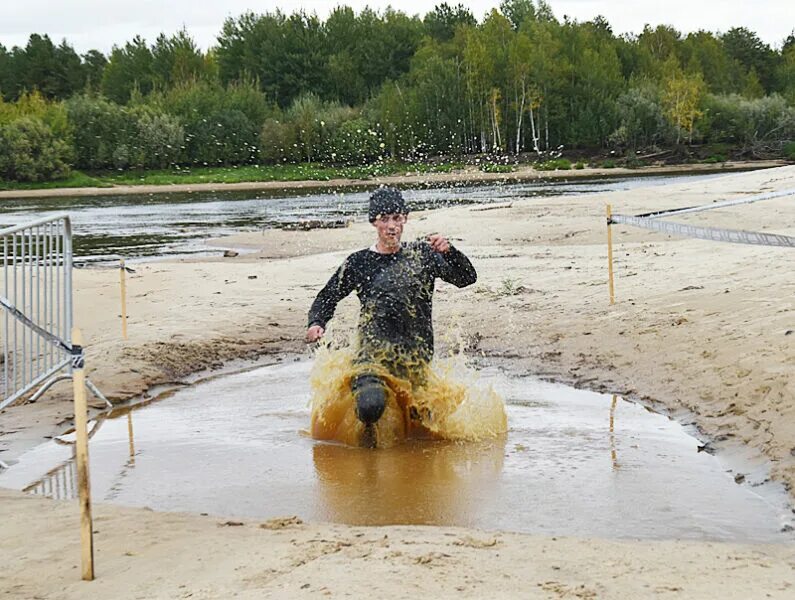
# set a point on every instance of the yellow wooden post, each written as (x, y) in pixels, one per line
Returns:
(610, 255)
(81, 454)
(123, 279)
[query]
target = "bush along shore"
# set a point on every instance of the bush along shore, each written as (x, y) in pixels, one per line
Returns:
(377, 90)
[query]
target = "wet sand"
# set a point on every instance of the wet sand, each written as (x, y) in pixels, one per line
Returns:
(702, 331)
(144, 554)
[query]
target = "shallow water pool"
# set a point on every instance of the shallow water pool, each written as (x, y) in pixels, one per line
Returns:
(573, 463)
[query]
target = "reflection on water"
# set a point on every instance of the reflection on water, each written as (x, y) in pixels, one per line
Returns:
(613, 454)
(59, 483)
(418, 483)
(237, 446)
(168, 224)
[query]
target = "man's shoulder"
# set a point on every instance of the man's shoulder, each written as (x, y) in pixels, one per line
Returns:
(358, 255)
(358, 258)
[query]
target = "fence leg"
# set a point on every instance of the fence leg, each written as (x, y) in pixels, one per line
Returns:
(81, 453)
(610, 254)
(123, 280)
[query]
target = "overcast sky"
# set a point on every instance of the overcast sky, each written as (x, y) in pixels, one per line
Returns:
(100, 24)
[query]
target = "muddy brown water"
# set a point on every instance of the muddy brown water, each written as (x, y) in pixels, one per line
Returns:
(573, 463)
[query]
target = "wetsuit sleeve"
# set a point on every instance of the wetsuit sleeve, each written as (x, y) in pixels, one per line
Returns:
(454, 267)
(340, 285)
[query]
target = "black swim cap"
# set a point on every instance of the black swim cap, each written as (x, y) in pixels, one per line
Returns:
(386, 201)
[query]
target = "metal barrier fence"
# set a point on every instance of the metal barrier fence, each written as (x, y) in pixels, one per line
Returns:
(39, 341)
(37, 301)
(36, 297)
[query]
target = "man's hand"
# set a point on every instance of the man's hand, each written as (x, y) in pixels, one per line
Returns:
(439, 243)
(314, 333)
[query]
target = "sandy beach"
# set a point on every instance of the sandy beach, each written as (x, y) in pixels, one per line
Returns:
(702, 331)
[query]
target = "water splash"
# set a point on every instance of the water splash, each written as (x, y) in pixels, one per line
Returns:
(449, 402)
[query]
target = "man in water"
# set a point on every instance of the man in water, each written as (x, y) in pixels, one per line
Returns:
(395, 284)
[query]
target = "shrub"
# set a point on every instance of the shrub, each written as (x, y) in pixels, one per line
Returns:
(789, 150)
(100, 128)
(224, 138)
(278, 143)
(760, 126)
(642, 122)
(579, 165)
(159, 139)
(107, 135)
(355, 142)
(555, 164)
(29, 151)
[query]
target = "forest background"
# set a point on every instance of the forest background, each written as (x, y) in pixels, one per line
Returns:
(294, 97)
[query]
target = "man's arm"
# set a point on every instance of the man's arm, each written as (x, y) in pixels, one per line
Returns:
(340, 285)
(452, 265)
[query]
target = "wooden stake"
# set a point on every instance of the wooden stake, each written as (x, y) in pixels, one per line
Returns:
(123, 279)
(610, 255)
(81, 453)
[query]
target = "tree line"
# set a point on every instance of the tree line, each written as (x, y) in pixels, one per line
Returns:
(372, 85)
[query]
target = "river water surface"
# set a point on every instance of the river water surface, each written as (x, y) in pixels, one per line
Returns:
(162, 224)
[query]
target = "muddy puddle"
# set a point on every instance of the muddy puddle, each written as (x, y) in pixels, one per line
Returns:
(572, 463)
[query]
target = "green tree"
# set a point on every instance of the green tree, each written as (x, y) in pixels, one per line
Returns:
(94, 63)
(785, 72)
(285, 54)
(587, 116)
(681, 99)
(441, 23)
(7, 83)
(705, 53)
(176, 59)
(518, 11)
(130, 68)
(745, 47)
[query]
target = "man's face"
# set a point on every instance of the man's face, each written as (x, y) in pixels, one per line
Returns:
(390, 229)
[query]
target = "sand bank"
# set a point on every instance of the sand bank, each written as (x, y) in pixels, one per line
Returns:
(701, 330)
(464, 176)
(143, 554)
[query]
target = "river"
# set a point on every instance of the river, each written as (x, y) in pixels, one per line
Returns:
(164, 224)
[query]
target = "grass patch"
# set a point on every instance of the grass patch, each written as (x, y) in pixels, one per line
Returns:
(235, 174)
(76, 180)
(562, 164)
(497, 168)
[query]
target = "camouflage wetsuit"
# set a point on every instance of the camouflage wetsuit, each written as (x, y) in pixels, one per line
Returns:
(396, 294)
